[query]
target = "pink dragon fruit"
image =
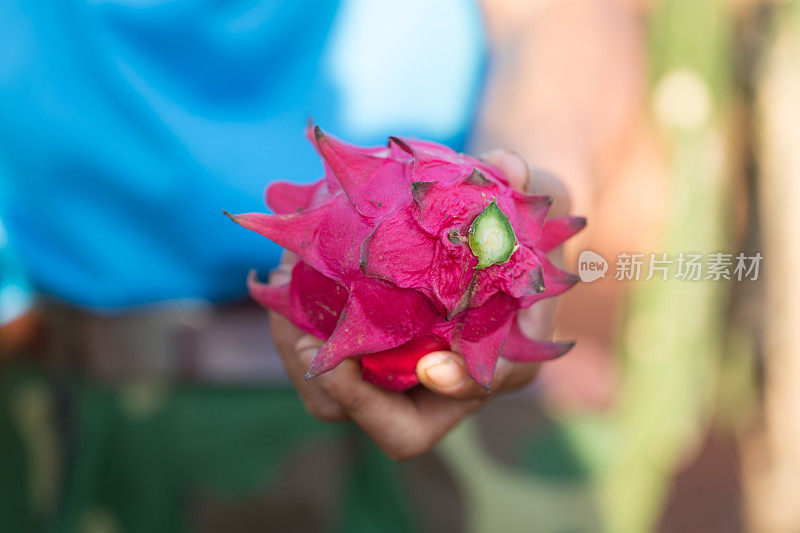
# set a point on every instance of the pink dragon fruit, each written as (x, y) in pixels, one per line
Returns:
(407, 249)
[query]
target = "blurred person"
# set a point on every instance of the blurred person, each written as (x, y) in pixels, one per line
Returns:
(127, 128)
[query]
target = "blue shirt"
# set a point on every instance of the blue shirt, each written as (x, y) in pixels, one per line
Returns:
(126, 126)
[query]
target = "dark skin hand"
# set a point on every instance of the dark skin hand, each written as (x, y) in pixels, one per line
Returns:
(405, 425)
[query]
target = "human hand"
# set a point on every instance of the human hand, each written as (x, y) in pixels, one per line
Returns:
(405, 425)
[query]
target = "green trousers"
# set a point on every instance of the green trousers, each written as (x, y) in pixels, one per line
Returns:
(77, 455)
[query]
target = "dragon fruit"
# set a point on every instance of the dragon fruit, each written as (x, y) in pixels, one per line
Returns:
(407, 249)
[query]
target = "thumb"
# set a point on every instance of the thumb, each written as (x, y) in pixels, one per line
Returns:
(444, 373)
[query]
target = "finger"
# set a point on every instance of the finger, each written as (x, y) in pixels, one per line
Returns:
(296, 350)
(446, 374)
(543, 182)
(535, 321)
(510, 376)
(530, 181)
(402, 425)
(388, 419)
(512, 165)
(283, 272)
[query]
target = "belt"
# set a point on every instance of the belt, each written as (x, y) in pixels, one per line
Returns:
(192, 341)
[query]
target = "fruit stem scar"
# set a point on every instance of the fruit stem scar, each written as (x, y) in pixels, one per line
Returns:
(491, 237)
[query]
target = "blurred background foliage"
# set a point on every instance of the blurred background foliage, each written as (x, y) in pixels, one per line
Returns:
(701, 431)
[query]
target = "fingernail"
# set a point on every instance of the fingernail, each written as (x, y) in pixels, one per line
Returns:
(446, 374)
